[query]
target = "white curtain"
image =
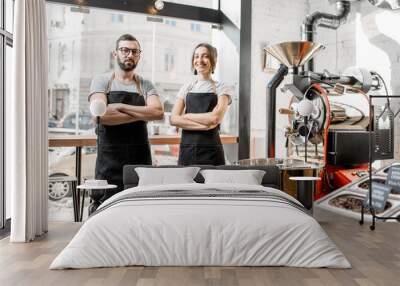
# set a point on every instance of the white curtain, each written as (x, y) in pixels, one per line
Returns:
(26, 123)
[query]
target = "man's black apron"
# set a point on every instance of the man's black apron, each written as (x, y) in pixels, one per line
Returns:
(201, 147)
(124, 144)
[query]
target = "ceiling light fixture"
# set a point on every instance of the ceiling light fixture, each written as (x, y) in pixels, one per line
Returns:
(159, 5)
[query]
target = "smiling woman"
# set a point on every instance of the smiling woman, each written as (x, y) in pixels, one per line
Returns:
(200, 109)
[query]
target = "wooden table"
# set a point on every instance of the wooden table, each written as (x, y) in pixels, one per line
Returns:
(79, 141)
(90, 140)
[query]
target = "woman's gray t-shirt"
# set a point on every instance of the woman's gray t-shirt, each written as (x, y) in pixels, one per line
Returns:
(204, 86)
(100, 83)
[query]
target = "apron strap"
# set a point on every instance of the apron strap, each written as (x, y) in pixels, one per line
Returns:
(139, 87)
(214, 86)
(108, 88)
(135, 79)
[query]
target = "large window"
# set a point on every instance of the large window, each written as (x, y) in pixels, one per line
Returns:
(6, 29)
(81, 42)
(77, 53)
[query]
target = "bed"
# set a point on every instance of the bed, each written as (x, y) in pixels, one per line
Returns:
(201, 224)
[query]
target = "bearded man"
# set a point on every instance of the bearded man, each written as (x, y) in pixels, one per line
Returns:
(131, 102)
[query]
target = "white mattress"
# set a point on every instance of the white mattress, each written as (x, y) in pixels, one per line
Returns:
(183, 231)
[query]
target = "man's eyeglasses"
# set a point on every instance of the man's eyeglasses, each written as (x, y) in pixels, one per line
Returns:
(125, 51)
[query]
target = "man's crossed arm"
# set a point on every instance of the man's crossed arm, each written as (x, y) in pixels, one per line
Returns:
(120, 113)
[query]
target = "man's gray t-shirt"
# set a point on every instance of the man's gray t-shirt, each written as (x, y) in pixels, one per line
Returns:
(100, 83)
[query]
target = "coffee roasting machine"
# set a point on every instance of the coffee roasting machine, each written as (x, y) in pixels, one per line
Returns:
(328, 114)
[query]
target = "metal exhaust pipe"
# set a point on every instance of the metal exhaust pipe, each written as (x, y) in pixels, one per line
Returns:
(325, 20)
(271, 107)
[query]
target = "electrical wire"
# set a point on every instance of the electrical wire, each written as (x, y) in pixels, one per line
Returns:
(397, 113)
(384, 85)
(327, 180)
(326, 131)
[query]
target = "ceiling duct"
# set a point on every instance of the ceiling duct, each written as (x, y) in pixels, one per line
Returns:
(325, 20)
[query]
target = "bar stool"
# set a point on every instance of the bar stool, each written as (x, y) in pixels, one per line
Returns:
(95, 194)
(75, 199)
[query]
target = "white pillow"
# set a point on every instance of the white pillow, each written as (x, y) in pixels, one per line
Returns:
(248, 177)
(166, 176)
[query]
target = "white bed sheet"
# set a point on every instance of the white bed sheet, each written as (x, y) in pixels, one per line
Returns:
(200, 231)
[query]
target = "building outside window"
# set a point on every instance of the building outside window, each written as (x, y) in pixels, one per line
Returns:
(78, 53)
(169, 61)
(169, 22)
(195, 27)
(117, 18)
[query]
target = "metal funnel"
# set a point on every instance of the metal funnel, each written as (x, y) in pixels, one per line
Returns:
(294, 54)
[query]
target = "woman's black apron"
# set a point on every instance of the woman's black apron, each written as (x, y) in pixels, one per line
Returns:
(124, 144)
(201, 147)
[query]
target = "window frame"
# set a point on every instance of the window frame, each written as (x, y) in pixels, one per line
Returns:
(6, 39)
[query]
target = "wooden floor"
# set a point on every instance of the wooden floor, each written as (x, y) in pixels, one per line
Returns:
(375, 257)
